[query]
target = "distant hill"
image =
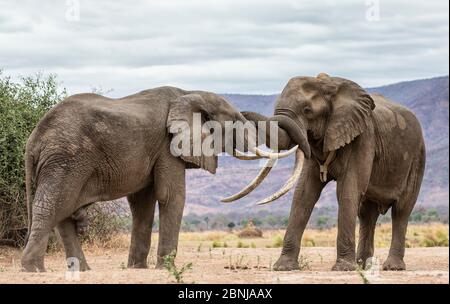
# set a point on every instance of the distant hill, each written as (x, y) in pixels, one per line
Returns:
(427, 98)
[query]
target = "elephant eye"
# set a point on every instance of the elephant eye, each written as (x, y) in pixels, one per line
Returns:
(206, 116)
(307, 110)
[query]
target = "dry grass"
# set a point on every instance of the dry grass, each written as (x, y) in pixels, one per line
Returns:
(427, 235)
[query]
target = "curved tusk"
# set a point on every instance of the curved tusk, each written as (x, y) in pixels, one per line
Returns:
(299, 160)
(274, 155)
(242, 156)
(253, 184)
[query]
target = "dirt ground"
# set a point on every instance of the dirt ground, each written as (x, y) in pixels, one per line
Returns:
(211, 265)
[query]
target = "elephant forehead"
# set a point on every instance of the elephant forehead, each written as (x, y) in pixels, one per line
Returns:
(306, 86)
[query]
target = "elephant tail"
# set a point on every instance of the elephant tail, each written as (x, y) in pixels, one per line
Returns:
(29, 166)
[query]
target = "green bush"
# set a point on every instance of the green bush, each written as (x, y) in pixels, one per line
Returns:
(241, 244)
(278, 242)
(106, 219)
(217, 244)
(435, 239)
(22, 104)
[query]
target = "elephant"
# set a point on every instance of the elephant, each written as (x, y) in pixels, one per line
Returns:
(91, 148)
(372, 147)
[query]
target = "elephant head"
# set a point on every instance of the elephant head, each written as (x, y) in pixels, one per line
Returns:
(207, 125)
(327, 112)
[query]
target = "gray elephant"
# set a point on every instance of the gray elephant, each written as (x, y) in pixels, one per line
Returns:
(374, 150)
(91, 148)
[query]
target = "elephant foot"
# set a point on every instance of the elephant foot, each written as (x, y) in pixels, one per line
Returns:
(33, 266)
(394, 263)
(137, 265)
(363, 260)
(344, 265)
(285, 263)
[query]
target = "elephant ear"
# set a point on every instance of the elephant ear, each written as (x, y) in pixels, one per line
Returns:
(181, 113)
(351, 112)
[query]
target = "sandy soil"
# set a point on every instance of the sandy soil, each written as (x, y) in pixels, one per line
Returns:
(425, 265)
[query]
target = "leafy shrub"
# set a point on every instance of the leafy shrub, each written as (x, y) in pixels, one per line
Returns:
(278, 242)
(106, 220)
(437, 239)
(308, 242)
(22, 104)
(241, 244)
(217, 244)
(177, 273)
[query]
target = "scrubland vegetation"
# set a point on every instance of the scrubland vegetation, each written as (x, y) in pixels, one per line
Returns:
(22, 104)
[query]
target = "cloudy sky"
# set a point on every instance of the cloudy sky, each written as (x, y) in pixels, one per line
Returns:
(222, 46)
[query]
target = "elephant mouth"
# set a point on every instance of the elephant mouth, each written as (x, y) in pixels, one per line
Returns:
(297, 133)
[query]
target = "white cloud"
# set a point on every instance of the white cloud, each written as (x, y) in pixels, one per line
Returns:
(223, 46)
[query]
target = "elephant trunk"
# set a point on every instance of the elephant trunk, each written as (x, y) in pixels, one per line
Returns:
(284, 141)
(296, 131)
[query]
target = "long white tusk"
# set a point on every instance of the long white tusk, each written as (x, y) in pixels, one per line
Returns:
(299, 160)
(254, 183)
(242, 156)
(274, 155)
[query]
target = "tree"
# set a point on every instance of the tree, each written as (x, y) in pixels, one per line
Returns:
(256, 221)
(322, 221)
(206, 219)
(271, 220)
(195, 223)
(231, 225)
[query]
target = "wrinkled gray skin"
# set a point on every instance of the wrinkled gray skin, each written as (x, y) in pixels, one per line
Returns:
(91, 148)
(379, 164)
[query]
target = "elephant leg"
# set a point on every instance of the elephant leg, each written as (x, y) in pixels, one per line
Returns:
(351, 186)
(34, 252)
(170, 192)
(142, 205)
(347, 213)
(43, 221)
(400, 218)
(170, 216)
(401, 210)
(307, 192)
(67, 229)
(55, 200)
(368, 215)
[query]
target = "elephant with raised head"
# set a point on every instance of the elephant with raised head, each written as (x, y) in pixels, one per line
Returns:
(91, 148)
(374, 150)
